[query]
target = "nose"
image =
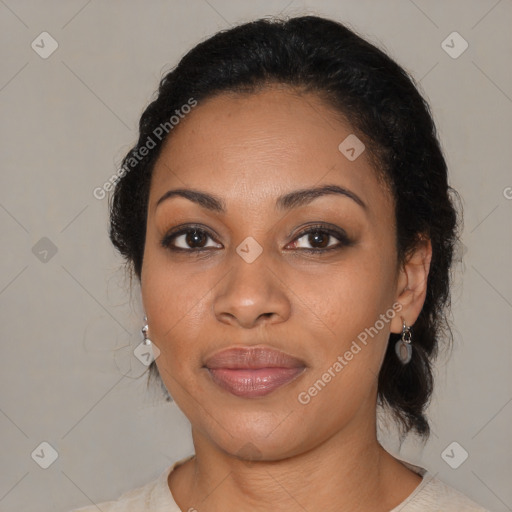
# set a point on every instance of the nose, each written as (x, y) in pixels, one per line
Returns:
(252, 294)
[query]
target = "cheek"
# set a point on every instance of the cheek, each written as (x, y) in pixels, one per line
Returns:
(349, 343)
(172, 305)
(167, 288)
(175, 306)
(177, 302)
(349, 332)
(348, 297)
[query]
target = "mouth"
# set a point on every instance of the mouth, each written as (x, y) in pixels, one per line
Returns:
(252, 372)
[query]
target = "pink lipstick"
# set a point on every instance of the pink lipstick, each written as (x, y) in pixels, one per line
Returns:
(251, 372)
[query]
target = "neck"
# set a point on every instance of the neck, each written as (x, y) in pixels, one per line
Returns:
(349, 471)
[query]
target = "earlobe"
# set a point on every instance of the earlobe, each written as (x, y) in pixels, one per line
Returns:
(412, 284)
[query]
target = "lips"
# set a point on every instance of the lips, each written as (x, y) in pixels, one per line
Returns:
(253, 371)
(253, 357)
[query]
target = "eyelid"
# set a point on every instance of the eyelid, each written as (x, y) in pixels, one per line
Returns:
(184, 229)
(330, 229)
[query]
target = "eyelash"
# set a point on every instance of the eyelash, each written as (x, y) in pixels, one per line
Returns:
(344, 241)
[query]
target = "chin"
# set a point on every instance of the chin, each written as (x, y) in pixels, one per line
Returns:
(252, 441)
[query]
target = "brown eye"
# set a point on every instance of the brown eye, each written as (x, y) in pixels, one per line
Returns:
(187, 239)
(320, 238)
(195, 238)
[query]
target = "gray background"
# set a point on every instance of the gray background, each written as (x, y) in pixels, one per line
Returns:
(69, 322)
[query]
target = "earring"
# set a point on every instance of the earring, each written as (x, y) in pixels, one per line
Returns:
(403, 346)
(144, 331)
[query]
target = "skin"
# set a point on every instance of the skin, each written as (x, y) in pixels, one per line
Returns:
(248, 150)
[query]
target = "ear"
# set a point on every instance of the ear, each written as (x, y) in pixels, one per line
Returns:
(412, 285)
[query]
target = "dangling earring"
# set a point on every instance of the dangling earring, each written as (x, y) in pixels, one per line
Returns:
(403, 346)
(147, 351)
(144, 331)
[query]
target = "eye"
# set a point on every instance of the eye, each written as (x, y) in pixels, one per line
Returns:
(195, 239)
(188, 239)
(320, 238)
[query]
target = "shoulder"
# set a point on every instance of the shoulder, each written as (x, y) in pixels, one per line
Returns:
(150, 497)
(135, 499)
(434, 495)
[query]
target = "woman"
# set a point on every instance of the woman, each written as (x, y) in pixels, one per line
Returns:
(287, 212)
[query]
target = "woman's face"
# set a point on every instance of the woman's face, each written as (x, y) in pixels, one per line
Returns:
(251, 277)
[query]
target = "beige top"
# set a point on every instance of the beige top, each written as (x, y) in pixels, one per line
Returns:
(431, 495)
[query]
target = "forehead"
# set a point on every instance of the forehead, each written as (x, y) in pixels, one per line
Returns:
(254, 147)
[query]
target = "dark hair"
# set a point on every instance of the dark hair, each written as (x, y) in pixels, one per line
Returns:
(385, 110)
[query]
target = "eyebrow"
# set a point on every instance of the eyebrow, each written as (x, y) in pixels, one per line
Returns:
(288, 201)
